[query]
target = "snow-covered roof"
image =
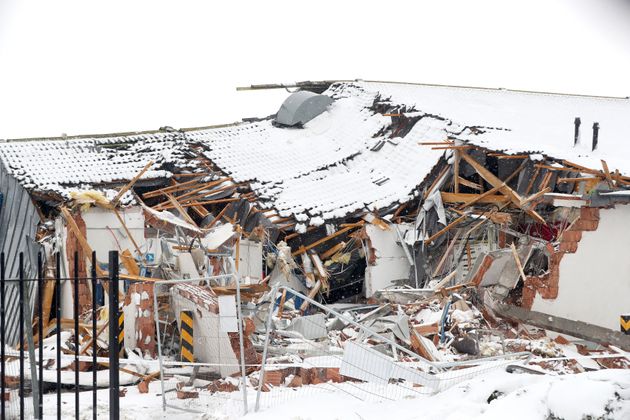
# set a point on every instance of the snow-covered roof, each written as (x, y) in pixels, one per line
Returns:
(349, 157)
(517, 121)
(65, 165)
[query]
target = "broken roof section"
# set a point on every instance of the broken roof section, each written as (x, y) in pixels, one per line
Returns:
(360, 154)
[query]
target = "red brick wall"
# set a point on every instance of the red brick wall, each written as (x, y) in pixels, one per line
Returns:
(547, 285)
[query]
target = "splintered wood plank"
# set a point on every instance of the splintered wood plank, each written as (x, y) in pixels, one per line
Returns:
(130, 184)
(487, 197)
(327, 238)
(535, 196)
(436, 180)
(445, 229)
(456, 171)
(180, 209)
(607, 174)
(448, 251)
(469, 184)
(171, 189)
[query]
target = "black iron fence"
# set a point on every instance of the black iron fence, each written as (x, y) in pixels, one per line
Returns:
(28, 387)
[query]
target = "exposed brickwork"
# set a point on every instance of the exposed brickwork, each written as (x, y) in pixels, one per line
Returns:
(547, 284)
(303, 376)
(145, 324)
(251, 357)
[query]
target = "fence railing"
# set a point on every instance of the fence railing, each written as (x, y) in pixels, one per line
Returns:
(40, 358)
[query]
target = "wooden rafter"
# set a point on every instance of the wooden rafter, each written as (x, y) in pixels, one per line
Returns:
(130, 184)
(503, 188)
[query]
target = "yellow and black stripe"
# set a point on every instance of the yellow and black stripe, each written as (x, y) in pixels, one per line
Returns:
(121, 332)
(624, 322)
(186, 342)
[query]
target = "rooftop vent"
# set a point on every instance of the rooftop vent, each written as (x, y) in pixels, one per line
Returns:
(301, 107)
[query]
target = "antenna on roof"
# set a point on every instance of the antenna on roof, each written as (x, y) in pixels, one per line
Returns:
(595, 134)
(576, 136)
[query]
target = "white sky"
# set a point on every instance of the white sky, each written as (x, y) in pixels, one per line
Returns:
(78, 66)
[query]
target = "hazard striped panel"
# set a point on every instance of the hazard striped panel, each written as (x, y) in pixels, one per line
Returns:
(186, 342)
(121, 332)
(624, 322)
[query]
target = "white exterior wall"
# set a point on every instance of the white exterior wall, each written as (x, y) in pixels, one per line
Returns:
(102, 240)
(594, 283)
(391, 262)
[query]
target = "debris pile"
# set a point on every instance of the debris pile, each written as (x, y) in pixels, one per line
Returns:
(467, 253)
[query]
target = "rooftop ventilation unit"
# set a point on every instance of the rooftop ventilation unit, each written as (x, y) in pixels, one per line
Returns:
(301, 107)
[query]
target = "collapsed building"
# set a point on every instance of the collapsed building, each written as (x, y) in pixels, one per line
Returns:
(353, 192)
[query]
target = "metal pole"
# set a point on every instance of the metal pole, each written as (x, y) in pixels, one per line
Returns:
(94, 332)
(58, 316)
(3, 385)
(240, 341)
(40, 332)
(28, 322)
(76, 335)
(114, 391)
(21, 330)
(274, 292)
(159, 342)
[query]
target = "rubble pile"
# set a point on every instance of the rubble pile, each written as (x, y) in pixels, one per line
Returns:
(476, 263)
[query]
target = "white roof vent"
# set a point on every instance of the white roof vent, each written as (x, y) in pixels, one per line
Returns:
(301, 107)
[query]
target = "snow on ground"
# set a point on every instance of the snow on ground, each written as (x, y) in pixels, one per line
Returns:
(497, 395)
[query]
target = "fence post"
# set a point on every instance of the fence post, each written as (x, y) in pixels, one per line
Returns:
(58, 331)
(2, 326)
(21, 330)
(240, 340)
(261, 378)
(28, 322)
(94, 343)
(156, 318)
(76, 334)
(114, 391)
(40, 333)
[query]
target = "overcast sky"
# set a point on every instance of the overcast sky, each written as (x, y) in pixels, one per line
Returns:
(79, 66)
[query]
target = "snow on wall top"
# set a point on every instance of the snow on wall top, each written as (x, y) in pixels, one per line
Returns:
(344, 160)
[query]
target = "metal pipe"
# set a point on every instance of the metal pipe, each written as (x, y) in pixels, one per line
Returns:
(274, 292)
(28, 322)
(240, 340)
(159, 342)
